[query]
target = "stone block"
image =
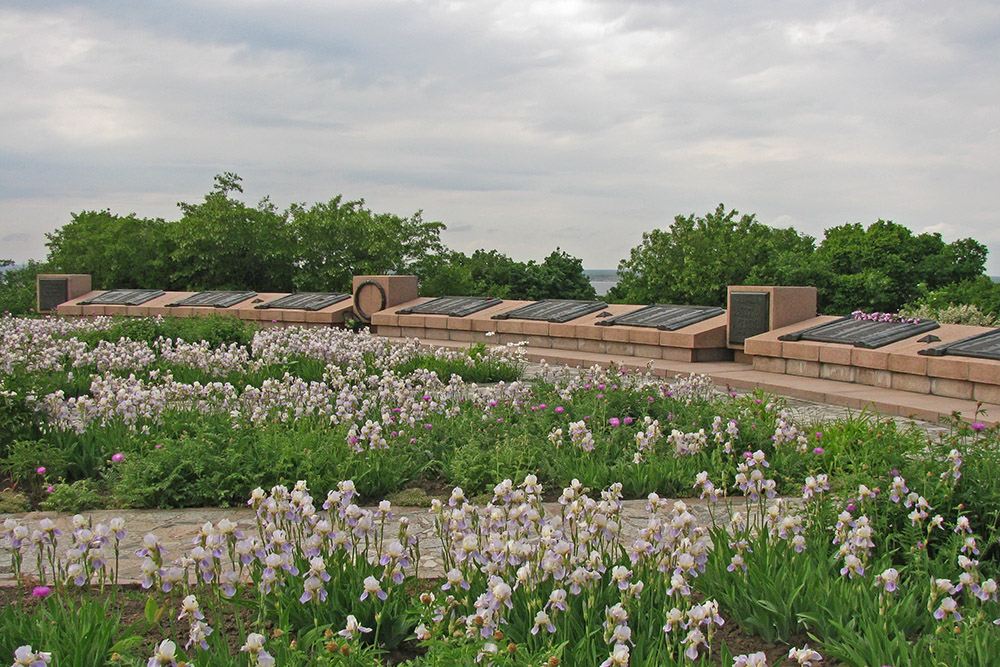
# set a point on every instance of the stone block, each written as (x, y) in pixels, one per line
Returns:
(325, 317)
(615, 334)
(647, 351)
(951, 388)
(917, 384)
(833, 353)
(92, 310)
(437, 334)
(910, 363)
(537, 341)
(460, 323)
(875, 359)
(805, 351)
(644, 336)
(533, 328)
(460, 335)
(588, 331)
(560, 343)
(809, 369)
(623, 349)
(984, 371)
(411, 332)
(414, 320)
(685, 354)
(769, 364)
(948, 367)
(369, 299)
(838, 372)
(508, 326)
(763, 347)
(480, 324)
(54, 289)
(987, 393)
(69, 310)
(592, 346)
(436, 321)
(874, 377)
(297, 316)
(785, 306)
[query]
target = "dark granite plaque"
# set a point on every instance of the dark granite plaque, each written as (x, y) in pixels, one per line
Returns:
(52, 292)
(665, 317)
(553, 310)
(124, 297)
(981, 346)
(453, 306)
(215, 299)
(305, 301)
(749, 315)
(862, 333)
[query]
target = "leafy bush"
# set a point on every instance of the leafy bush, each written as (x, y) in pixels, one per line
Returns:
(965, 313)
(217, 330)
(81, 495)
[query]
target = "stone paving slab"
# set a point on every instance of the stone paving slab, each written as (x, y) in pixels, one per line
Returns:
(178, 529)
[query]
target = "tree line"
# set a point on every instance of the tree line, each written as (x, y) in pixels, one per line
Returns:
(879, 268)
(223, 243)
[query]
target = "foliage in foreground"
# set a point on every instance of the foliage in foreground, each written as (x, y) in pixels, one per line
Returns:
(876, 576)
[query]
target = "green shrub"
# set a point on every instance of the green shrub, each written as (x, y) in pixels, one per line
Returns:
(217, 330)
(81, 495)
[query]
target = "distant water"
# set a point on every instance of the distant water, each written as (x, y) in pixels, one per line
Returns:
(602, 286)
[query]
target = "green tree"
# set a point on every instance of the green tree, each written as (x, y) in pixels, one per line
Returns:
(697, 258)
(17, 286)
(117, 251)
(885, 266)
(222, 243)
(560, 276)
(336, 240)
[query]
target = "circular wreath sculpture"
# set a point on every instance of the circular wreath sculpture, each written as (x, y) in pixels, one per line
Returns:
(357, 304)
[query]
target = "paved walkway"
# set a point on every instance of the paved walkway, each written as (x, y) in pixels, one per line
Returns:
(178, 528)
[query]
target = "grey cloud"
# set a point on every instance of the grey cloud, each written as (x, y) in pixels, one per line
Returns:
(585, 128)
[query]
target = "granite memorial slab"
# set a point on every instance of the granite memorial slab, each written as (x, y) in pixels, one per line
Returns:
(452, 306)
(981, 346)
(123, 297)
(862, 333)
(749, 315)
(665, 317)
(553, 310)
(305, 301)
(52, 292)
(213, 299)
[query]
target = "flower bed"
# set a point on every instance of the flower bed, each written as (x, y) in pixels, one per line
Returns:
(867, 541)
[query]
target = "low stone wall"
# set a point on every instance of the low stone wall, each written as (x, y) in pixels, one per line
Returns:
(245, 310)
(704, 341)
(894, 366)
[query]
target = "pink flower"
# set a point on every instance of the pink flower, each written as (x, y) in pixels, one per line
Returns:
(41, 470)
(560, 409)
(977, 426)
(818, 450)
(118, 457)
(614, 421)
(50, 489)
(41, 591)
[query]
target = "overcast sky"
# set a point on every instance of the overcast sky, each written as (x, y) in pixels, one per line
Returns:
(520, 125)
